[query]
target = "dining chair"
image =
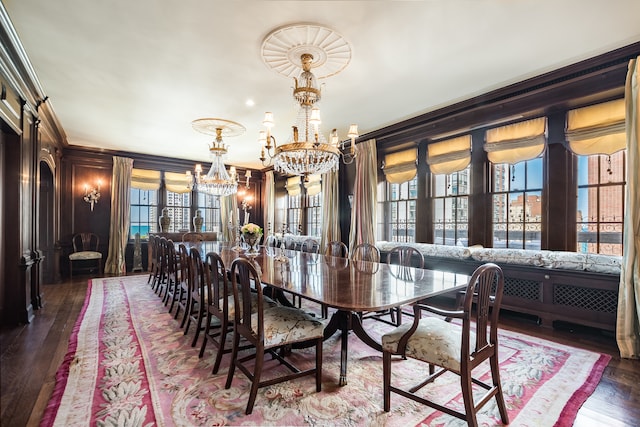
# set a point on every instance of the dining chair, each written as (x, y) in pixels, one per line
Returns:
(172, 287)
(288, 242)
(216, 307)
(404, 256)
(85, 250)
(310, 246)
(184, 292)
(192, 237)
(271, 241)
(219, 308)
(337, 249)
(365, 252)
(158, 288)
(154, 264)
(268, 330)
(198, 296)
(453, 347)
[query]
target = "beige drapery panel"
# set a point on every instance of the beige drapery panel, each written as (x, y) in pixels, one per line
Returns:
(516, 142)
(597, 129)
(229, 216)
(145, 179)
(314, 186)
(363, 213)
(120, 215)
(449, 156)
(293, 186)
(177, 182)
(270, 205)
(401, 166)
(628, 319)
(330, 209)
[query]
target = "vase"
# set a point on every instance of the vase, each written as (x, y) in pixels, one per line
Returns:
(165, 221)
(252, 239)
(197, 222)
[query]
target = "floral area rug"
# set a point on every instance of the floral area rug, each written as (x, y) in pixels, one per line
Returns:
(129, 364)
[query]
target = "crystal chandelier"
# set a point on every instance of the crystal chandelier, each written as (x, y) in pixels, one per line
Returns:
(306, 151)
(217, 181)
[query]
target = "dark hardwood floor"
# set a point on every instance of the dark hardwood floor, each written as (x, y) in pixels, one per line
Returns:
(31, 354)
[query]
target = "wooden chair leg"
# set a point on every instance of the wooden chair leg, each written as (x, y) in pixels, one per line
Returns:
(386, 380)
(234, 357)
(223, 340)
(198, 327)
(467, 396)
(495, 377)
(255, 384)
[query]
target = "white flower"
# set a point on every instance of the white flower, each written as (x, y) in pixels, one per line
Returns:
(251, 228)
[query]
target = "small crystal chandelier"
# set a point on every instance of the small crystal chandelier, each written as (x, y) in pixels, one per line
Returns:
(306, 152)
(217, 181)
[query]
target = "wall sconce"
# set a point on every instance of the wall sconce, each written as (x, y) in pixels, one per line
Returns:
(92, 195)
(247, 175)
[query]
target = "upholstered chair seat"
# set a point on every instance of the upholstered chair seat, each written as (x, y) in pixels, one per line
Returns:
(287, 325)
(434, 340)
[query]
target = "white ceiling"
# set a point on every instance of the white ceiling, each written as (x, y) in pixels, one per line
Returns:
(132, 75)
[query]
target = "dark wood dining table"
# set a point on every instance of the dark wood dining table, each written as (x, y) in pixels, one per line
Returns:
(349, 287)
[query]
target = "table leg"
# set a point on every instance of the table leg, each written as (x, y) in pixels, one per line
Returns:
(344, 357)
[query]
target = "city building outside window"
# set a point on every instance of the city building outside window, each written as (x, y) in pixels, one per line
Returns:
(451, 208)
(600, 207)
(144, 213)
(209, 207)
(179, 209)
(517, 204)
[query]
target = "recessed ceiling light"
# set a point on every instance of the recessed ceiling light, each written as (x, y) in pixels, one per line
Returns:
(250, 103)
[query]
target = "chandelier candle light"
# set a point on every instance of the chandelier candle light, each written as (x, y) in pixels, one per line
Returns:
(307, 152)
(217, 181)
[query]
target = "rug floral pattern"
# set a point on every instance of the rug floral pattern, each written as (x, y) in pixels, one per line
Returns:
(131, 365)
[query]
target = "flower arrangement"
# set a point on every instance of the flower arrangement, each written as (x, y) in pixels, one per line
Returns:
(251, 228)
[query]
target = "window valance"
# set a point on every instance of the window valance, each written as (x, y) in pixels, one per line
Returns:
(516, 142)
(597, 129)
(401, 166)
(449, 156)
(145, 179)
(177, 182)
(293, 186)
(314, 185)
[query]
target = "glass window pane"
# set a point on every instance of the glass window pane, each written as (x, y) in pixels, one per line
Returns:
(501, 178)
(439, 185)
(534, 174)
(499, 208)
(517, 176)
(611, 198)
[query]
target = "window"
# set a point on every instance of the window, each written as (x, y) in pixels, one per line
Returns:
(314, 215)
(600, 208)
(451, 208)
(179, 209)
(144, 213)
(294, 213)
(517, 205)
(397, 211)
(209, 207)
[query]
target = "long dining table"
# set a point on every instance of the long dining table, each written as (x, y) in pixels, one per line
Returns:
(349, 287)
